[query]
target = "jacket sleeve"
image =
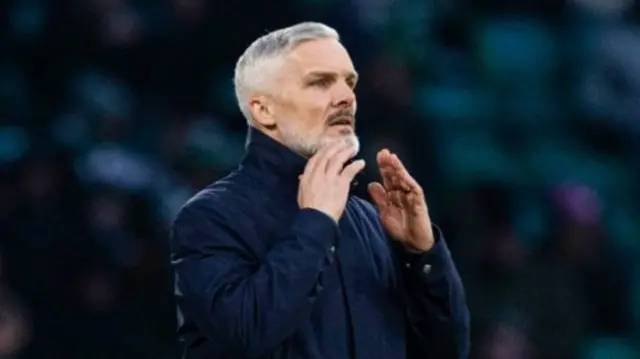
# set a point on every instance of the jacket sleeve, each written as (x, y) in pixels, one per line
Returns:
(435, 302)
(248, 304)
(434, 298)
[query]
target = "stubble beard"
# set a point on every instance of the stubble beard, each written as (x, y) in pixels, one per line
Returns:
(307, 147)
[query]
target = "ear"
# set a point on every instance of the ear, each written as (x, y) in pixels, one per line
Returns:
(262, 111)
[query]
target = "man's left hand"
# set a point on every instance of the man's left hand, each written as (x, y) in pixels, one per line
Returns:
(401, 203)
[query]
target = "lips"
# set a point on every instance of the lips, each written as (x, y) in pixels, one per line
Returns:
(342, 121)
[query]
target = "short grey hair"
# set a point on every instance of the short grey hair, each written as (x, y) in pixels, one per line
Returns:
(252, 69)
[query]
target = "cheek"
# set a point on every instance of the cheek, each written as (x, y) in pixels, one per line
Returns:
(315, 113)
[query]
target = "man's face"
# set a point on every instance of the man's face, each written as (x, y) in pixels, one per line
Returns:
(314, 102)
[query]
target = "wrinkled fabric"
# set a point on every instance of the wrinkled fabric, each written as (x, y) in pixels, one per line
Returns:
(258, 277)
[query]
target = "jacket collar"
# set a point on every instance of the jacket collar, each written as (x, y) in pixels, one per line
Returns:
(274, 162)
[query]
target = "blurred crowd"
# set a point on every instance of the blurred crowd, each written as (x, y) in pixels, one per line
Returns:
(520, 119)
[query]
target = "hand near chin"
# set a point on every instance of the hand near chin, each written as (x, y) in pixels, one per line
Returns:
(326, 180)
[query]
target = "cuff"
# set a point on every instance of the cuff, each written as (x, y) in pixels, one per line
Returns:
(318, 229)
(430, 265)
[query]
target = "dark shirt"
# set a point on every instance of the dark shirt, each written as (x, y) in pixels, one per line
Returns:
(258, 277)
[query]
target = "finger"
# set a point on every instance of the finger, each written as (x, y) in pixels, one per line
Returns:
(416, 203)
(319, 159)
(318, 162)
(395, 197)
(383, 157)
(384, 166)
(352, 170)
(396, 164)
(388, 172)
(379, 195)
(333, 149)
(336, 163)
(403, 178)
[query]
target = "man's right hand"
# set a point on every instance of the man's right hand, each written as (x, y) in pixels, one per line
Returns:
(325, 183)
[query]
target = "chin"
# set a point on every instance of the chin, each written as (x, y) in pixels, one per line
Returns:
(349, 137)
(354, 141)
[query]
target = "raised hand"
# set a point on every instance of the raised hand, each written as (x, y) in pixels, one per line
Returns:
(401, 203)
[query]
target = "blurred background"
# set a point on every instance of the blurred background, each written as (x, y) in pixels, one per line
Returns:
(520, 118)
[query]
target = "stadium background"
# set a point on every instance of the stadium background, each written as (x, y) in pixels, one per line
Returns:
(520, 119)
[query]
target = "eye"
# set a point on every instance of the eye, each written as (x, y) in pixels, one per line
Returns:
(322, 82)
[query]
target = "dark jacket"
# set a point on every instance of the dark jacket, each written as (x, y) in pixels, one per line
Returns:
(257, 277)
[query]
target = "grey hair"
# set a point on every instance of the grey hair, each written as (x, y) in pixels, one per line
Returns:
(252, 69)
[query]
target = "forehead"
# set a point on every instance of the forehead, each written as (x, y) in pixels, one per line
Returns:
(326, 55)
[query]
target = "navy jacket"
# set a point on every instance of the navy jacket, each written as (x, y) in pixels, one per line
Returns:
(257, 277)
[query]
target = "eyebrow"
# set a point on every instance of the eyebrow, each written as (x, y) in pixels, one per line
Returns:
(352, 75)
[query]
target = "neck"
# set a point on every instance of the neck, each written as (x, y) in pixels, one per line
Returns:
(274, 160)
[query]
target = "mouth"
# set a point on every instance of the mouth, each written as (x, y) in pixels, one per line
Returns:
(342, 121)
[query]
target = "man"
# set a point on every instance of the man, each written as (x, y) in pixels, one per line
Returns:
(277, 260)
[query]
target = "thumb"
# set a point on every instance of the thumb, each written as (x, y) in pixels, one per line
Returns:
(378, 195)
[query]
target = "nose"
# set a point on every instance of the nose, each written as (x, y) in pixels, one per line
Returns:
(343, 95)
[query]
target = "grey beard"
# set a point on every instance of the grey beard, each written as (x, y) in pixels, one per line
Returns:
(308, 149)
